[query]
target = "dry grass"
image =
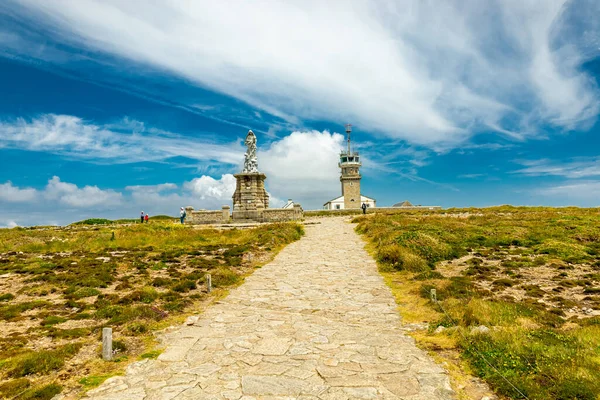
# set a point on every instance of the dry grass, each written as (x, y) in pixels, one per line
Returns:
(529, 274)
(59, 288)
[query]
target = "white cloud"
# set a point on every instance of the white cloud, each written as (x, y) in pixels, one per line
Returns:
(124, 142)
(574, 192)
(206, 187)
(575, 168)
(204, 192)
(430, 73)
(10, 193)
(60, 192)
(86, 197)
(303, 166)
(9, 224)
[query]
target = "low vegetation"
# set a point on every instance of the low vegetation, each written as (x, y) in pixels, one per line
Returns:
(517, 292)
(61, 286)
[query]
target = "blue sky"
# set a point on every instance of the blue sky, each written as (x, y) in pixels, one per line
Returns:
(108, 107)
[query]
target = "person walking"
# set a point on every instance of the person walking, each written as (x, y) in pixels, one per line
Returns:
(142, 218)
(182, 214)
(146, 217)
(364, 208)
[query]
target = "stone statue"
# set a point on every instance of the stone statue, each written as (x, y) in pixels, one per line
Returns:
(250, 161)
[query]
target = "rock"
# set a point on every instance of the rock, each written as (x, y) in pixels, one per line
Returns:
(192, 320)
(272, 385)
(272, 347)
(481, 329)
(440, 329)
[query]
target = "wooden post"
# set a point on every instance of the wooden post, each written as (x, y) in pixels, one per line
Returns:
(107, 344)
(433, 295)
(208, 283)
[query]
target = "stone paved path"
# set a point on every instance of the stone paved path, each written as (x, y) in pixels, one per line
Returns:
(316, 323)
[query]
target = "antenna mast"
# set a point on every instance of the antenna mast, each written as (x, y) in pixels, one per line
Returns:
(348, 131)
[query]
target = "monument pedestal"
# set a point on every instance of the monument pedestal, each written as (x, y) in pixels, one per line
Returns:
(250, 198)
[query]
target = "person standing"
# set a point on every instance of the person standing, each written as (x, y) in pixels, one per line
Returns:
(142, 218)
(182, 214)
(364, 208)
(146, 217)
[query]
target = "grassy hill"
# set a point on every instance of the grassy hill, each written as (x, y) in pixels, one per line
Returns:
(518, 292)
(59, 287)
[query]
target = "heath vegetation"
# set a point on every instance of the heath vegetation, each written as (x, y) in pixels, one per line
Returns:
(517, 289)
(60, 286)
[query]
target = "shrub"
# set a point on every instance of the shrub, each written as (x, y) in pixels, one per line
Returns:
(13, 388)
(401, 258)
(52, 320)
(6, 297)
(94, 221)
(151, 354)
(13, 311)
(145, 295)
(93, 380)
(161, 282)
(184, 286)
(425, 245)
(503, 283)
(85, 292)
(127, 314)
(223, 277)
(43, 361)
(569, 252)
(137, 328)
(44, 393)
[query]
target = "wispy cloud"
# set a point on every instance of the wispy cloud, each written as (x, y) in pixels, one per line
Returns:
(471, 176)
(582, 167)
(124, 142)
(433, 74)
(576, 192)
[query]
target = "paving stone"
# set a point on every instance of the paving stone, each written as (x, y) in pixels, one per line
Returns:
(272, 385)
(272, 347)
(316, 323)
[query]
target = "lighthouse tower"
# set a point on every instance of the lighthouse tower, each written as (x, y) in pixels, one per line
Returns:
(350, 176)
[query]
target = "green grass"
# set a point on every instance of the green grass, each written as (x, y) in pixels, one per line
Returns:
(13, 311)
(13, 388)
(133, 277)
(530, 343)
(151, 354)
(41, 362)
(42, 393)
(6, 297)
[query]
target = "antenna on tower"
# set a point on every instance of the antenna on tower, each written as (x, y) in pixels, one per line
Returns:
(348, 131)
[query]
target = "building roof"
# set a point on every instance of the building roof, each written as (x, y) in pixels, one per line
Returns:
(342, 198)
(405, 203)
(332, 200)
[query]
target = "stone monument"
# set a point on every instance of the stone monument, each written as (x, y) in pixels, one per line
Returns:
(250, 198)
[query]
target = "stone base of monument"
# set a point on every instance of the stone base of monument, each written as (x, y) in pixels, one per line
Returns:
(250, 198)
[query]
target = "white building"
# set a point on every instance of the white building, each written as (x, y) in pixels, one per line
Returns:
(289, 204)
(338, 203)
